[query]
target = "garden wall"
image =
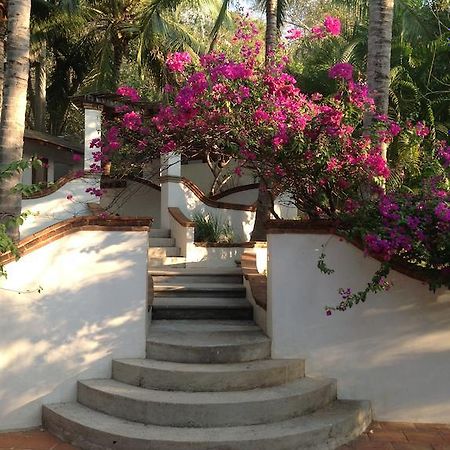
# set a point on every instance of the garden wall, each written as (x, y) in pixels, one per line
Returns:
(393, 350)
(136, 199)
(49, 208)
(92, 308)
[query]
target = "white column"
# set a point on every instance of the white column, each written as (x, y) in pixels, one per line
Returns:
(92, 130)
(51, 171)
(170, 187)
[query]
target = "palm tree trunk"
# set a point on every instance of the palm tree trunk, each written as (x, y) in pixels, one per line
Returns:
(3, 24)
(381, 14)
(12, 123)
(271, 27)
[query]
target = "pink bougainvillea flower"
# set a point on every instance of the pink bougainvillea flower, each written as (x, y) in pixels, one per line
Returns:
(128, 92)
(332, 25)
(318, 32)
(76, 157)
(176, 62)
(395, 129)
(132, 121)
(294, 33)
(341, 70)
(69, 197)
(422, 130)
(442, 211)
(169, 147)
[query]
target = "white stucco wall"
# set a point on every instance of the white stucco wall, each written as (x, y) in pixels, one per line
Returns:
(56, 207)
(92, 309)
(393, 350)
(136, 199)
(241, 221)
(201, 175)
(247, 197)
(200, 256)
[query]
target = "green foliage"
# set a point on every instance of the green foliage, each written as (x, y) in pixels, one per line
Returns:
(322, 265)
(6, 223)
(377, 284)
(210, 229)
(420, 79)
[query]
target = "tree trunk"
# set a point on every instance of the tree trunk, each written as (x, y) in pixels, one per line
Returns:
(12, 123)
(3, 24)
(271, 27)
(263, 207)
(381, 13)
(264, 202)
(40, 90)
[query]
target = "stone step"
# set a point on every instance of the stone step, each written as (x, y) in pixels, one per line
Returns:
(159, 233)
(201, 308)
(173, 376)
(161, 242)
(200, 290)
(325, 429)
(206, 409)
(178, 262)
(162, 252)
(206, 341)
(189, 276)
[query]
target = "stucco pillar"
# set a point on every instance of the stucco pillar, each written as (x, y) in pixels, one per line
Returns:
(92, 130)
(170, 185)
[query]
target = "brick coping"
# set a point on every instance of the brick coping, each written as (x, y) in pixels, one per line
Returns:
(203, 198)
(327, 227)
(73, 225)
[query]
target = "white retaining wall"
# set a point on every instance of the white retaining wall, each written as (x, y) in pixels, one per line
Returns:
(180, 196)
(393, 350)
(92, 309)
(55, 207)
(137, 199)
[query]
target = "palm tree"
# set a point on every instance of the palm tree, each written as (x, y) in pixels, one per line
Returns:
(272, 30)
(2, 45)
(12, 123)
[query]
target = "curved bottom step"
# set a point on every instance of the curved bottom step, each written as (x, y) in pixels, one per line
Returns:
(325, 429)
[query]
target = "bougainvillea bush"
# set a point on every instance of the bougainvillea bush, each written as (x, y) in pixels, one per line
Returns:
(313, 147)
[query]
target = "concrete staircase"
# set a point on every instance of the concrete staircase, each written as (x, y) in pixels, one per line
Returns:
(162, 250)
(208, 382)
(199, 294)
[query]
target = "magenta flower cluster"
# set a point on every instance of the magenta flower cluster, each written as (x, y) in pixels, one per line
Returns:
(176, 62)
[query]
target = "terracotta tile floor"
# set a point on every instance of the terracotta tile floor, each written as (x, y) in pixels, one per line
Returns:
(379, 436)
(31, 440)
(402, 436)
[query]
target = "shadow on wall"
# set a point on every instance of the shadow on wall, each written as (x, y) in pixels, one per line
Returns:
(92, 308)
(393, 350)
(136, 199)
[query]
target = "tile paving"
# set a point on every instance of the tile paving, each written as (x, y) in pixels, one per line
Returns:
(379, 436)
